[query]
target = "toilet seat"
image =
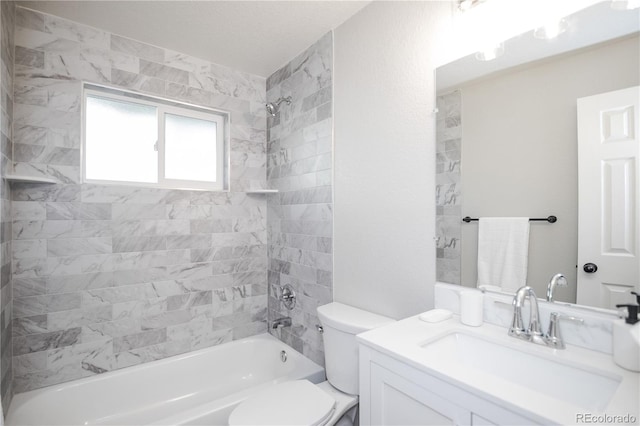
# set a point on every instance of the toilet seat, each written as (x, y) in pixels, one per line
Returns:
(297, 402)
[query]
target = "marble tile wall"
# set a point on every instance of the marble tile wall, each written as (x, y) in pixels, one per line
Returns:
(7, 22)
(107, 277)
(300, 217)
(448, 195)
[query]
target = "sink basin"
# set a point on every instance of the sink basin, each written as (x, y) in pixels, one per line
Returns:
(487, 361)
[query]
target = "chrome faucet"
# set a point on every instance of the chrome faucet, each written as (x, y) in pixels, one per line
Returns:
(533, 332)
(281, 322)
(558, 280)
(553, 337)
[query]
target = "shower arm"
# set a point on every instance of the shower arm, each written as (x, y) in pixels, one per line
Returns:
(281, 100)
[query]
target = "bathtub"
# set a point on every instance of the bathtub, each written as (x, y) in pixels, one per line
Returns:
(197, 388)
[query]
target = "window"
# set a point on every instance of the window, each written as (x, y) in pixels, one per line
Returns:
(139, 140)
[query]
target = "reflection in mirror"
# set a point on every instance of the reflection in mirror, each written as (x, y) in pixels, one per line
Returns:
(508, 144)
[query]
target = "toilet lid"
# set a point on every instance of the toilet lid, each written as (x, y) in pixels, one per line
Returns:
(298, 402)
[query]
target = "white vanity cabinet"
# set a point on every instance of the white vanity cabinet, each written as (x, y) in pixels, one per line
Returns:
(394, 393)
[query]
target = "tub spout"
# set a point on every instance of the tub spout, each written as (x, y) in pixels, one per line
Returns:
(281, 322)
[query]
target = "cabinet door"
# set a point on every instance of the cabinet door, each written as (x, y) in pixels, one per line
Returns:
(397, 401)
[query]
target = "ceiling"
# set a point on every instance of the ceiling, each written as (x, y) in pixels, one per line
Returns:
(257, 37)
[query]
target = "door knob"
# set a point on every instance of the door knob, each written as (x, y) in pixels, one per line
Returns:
(590, 268)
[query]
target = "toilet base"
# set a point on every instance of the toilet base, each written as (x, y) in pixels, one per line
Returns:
(350, 418)
(346, 409)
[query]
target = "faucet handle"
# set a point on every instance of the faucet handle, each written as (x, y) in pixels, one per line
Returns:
(553, 337)
(557, 317)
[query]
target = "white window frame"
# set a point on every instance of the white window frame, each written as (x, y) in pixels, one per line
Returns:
(163, 107)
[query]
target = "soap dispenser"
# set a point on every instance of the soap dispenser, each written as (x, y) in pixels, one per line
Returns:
(626, 337)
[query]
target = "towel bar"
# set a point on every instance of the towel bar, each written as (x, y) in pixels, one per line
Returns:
(550, 219)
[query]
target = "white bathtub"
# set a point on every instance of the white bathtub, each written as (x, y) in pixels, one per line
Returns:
(198, 388)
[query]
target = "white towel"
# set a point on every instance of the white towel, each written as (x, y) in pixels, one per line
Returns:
(503, 252)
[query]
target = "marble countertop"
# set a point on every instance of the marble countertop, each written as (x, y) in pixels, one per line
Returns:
(405, 341)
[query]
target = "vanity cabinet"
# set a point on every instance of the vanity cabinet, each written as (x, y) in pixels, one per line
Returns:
(395, 393)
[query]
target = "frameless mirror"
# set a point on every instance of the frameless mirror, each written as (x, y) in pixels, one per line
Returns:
(512, 141)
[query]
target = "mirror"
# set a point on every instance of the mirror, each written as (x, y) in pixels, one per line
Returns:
(507, 145)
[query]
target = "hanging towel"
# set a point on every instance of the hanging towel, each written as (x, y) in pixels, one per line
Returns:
(503, 252)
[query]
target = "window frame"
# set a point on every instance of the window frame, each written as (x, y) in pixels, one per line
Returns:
(163, 107)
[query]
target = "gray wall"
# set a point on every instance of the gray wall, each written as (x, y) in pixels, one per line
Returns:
(7, 22)
(110, 276)
(525, 164)
(300, 217)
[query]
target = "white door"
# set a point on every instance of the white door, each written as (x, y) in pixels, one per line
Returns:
(608, 224)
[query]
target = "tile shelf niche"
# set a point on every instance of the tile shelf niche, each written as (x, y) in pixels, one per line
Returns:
(262, 191)
(28, 179)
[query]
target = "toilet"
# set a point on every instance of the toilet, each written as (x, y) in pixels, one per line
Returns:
(333, 402)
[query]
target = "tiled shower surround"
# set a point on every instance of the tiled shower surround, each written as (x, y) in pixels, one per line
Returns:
(107, 277)
(448, 196)
(7, 21)
(300, 217)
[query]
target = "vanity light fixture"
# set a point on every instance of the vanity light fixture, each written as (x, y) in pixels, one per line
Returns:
(490, 53)
(551, 30)
(625, 4)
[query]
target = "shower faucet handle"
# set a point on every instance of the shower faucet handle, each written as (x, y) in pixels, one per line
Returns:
(288, 296)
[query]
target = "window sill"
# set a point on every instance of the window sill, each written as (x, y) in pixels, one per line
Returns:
(138, 185)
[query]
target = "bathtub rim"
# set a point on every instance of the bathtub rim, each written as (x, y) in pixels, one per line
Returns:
(20, 399)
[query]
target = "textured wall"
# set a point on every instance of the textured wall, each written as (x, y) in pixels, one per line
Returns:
(110, 276)
(385, 156)
(301, 216)
(448, 194)
(7, 22)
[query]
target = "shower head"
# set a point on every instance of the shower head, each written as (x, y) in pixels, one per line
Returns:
(272, 110)
(272, 107)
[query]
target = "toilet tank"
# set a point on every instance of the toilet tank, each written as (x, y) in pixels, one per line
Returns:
(341, 323)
